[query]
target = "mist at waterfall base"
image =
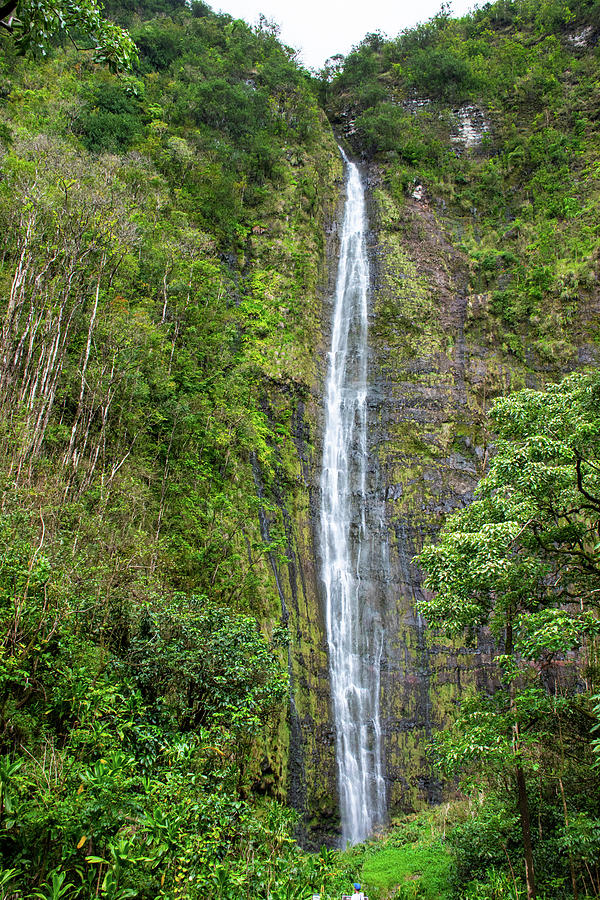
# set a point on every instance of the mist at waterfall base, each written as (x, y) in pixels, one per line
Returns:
(354, 632)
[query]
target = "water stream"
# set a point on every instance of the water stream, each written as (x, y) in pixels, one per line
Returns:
(354, 631)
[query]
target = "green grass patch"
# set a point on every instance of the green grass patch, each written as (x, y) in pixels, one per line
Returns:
(414, 870)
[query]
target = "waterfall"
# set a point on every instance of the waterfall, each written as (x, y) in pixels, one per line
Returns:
(354, 631)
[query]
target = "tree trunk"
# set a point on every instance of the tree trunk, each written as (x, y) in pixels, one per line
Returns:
(526, 831)
(520, 775)
(571, 863)
(86, 358)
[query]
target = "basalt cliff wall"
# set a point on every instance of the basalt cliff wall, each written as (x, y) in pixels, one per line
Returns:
(476, 138)
(437, 360)
(427, 447)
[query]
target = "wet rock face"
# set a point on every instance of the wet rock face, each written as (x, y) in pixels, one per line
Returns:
(434, 371)
(584, 38)
(425, 460)
(470, 126)
(425, 454)
(436, 362)
(416, 105)
(427, 379)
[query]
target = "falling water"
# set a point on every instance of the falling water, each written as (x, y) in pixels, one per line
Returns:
(354, 631)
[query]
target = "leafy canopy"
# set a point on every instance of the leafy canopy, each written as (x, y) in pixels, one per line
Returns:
(38, 25)
(526, 551)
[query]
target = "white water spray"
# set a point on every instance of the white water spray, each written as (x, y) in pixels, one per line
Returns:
(354, 632)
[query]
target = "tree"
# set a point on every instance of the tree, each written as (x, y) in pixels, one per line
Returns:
(439, 73)
(522, 560)
(35, 26)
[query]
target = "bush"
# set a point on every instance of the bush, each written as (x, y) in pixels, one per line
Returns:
(440, 74)
(111, 120)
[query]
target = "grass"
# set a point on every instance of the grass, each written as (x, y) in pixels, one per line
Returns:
(410, 861)
(413, 870)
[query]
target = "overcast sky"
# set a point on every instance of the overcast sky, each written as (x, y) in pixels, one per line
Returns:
(321, 28)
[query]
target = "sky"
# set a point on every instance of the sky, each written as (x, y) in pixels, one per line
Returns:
(321, 28)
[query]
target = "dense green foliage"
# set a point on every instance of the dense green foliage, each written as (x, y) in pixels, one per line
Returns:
(37, 26)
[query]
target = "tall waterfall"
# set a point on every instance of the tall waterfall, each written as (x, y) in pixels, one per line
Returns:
(354, 632)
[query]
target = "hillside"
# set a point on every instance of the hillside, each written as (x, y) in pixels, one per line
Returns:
(495, 117)
(162, 261)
